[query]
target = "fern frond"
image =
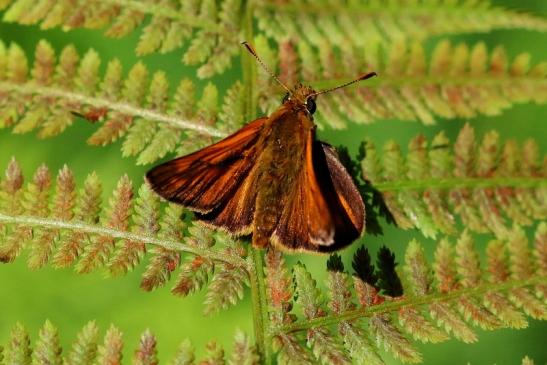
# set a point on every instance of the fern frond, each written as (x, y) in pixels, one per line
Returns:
(110, 352)
(324, 346)
(166, 25)
(48, 348)
(87, 350)
(244, 351)
(459, 296)
(66, 228)
(136, 109)
(487, 184)
(455, 81)
(365, 24)
(18, 350)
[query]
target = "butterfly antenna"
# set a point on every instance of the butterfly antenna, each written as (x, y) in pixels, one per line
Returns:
(361, 78)
(253, 52)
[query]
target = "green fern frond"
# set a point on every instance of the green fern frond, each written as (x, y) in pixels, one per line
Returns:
(487, 184)
(365, 24)
(166, 25)
(110, 352)
(86, 349)
(215, 29)
(137, 109)
(445, 298)
(455, 81)
(65, 227)
(18, 350)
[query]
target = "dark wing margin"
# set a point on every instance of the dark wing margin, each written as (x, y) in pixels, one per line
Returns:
(203, 180)
(326, 212)
(347, 203)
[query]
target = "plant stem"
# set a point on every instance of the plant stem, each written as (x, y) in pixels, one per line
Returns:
(393, 306)
(260, 307)
(70, 97)
(93, 229)
(256, 270)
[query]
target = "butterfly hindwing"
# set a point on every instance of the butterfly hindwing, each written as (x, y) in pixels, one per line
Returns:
(204, 179)
(326, 211)
(350, 208)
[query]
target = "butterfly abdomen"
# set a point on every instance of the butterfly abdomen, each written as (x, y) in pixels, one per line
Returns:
(280, 162)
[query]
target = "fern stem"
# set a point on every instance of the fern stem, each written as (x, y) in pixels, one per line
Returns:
(88, 228)
(98, 102)
(260, 306)
(393, 306)
(256, 273)
(456, 183)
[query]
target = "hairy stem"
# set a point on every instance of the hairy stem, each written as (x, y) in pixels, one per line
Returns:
(89, 228)
(98, 102)
(465, 182)
(393, 306)
(260, 307)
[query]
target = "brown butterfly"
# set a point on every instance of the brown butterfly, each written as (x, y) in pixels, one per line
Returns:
(271, 179)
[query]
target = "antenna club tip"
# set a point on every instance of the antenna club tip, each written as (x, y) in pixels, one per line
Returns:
(368, 76)
(249, 48)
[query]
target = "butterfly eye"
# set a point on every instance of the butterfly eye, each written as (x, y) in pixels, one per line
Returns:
(285, 98)
(310, 105)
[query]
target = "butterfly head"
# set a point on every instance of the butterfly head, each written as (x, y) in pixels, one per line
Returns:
(301, 97)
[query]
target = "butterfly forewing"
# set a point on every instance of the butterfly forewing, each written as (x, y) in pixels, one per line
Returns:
(203, 180)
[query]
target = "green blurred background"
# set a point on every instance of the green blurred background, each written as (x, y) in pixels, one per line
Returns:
(70, 300)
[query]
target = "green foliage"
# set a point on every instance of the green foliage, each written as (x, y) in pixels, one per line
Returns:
(87, 350)
(488, 187)
(137, 108)
(211, 30)
(214, 31)
(443, 299)
(67, 228)
(486, 184)
(455, 81)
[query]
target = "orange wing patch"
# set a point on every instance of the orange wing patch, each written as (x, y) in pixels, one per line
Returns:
(236, 214)
(202, 180)
(326, 212)
(306, 222)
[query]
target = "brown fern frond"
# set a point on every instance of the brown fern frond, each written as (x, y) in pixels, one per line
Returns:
(279, 296)
(228, 281)
(459, 295)
(59, 226)
(454, 81)
(136, 109)
(211, 32)
(488, 184)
